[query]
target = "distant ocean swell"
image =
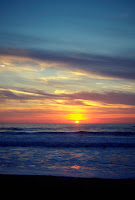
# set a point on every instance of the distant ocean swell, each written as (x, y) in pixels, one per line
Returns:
(61, 128)
(66, 145)
(67, 136)
(16, 131)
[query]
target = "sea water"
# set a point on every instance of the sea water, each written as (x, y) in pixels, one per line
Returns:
(76, 150)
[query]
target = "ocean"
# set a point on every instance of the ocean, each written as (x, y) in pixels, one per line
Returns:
(74, 150)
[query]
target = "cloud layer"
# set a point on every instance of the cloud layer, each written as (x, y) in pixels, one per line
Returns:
(98, 66)
(106, 98)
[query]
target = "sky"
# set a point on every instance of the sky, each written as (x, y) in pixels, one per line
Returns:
(63, 61)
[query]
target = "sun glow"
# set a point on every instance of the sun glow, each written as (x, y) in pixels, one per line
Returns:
(77, 118)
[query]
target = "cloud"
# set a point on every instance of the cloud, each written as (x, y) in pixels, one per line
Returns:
(6, 94)
(112, 97)
(94, 65)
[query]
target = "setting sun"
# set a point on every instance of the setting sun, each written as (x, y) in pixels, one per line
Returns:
(76, 118)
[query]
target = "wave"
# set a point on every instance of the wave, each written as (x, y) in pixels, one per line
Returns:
(81, 129)
(66, 136)
(16, 131)
(65, 144)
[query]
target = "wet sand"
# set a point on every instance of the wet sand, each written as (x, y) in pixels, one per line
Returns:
(53, 182)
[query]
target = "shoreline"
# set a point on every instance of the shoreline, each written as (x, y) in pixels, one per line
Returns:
(59, 182)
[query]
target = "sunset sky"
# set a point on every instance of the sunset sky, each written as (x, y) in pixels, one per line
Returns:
(63, 61)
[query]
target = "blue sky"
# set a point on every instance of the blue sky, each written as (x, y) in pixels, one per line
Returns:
(102, 26)
(59, 47)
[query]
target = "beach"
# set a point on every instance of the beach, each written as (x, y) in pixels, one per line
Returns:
(57, 182)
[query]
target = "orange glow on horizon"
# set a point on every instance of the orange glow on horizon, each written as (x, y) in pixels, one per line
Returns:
(77, 122)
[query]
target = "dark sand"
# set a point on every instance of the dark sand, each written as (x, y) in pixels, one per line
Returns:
(52, 182)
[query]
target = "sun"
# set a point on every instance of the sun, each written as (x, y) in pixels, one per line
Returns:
(76, 118)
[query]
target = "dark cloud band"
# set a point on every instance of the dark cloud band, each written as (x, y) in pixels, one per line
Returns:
(96, 65)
